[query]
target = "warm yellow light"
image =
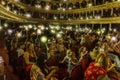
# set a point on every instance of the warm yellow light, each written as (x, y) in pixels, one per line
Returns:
(30, 26)
(5, 24)
(3, 2)
(114, 30)
(44, 39)
(28, 15)
(57, 27)
(47, 7)
(16, 0)
(90, 4)
(63, 9)
(15, 11)
(10, 31)
(58, 35)
(19, 34)
(8, 8)
(38, 6)
(113, 38)
(1, 28)
(70, 8)
(81, 18)
(39, 32)
(55, 17)
(35, 28)
(26, 27)
(52, 31)
(64, 0)
(98, 32)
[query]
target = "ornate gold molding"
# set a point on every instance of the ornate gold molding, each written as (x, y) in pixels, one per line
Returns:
(87, 9)
(14, 17)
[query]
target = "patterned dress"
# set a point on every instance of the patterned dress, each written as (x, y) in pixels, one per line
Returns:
(36, 74)
(93, 71)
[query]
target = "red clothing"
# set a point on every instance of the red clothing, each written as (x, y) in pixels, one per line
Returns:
(93, 71)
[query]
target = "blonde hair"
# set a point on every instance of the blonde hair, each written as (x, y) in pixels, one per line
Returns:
(101, 59)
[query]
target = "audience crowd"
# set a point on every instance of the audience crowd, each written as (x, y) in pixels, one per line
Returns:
(74, 56)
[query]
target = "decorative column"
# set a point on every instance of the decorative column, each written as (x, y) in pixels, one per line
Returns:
(111, 12)
(94, 2)
(110, 26)
(93, 14)
(92, 26)
(102, 13)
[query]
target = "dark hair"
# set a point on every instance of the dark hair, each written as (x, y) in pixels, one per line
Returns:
(2, 44)
(27, 45)
(19, 44)
(2, 41)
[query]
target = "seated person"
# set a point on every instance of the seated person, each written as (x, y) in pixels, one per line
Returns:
(30, 55)
(31, 62)
(96, 69)
(36, 73)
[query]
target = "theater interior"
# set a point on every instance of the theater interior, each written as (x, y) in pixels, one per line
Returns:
(59, 39)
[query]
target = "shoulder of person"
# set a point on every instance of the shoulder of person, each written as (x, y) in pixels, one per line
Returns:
(26, 54)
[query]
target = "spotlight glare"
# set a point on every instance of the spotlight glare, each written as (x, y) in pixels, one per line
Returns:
(52, 31)
(8, 8)
(42, 27)
(113, 38)
(108, 36)
(3, 3)
(63, 9)
(5, 25)
(90, 4)
(114, 30)
(30, 26)
(44, 39)
(15, 11)
(58, 35)
(26, 27)
(19, 34)
(70, 8)
(9, 31)
(98, 32)
(47, 7)
(28, 15)
(35, 28)
(39, 32)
